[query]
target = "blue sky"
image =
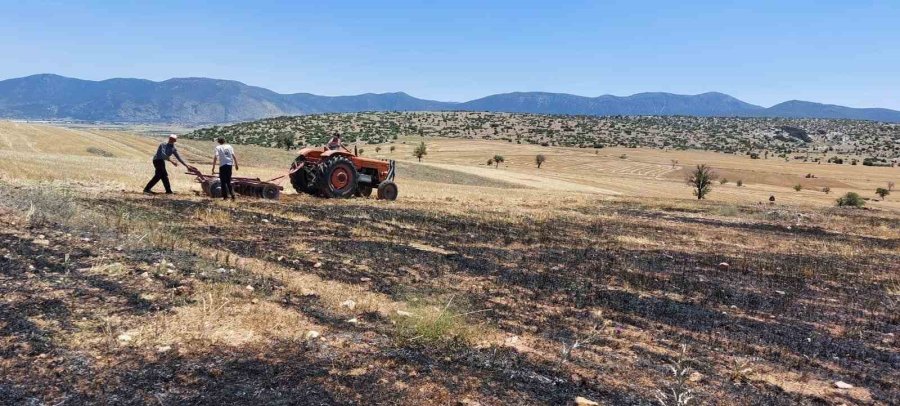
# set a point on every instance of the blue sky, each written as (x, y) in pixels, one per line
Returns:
(763, 52)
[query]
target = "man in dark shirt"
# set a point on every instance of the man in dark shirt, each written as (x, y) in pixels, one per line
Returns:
(164, 153)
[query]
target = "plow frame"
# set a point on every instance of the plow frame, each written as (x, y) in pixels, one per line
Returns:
(253, 187)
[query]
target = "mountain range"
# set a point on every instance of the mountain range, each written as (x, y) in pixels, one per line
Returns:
(198, 101)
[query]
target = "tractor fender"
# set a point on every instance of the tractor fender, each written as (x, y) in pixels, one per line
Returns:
(334, 152)
(307, 151)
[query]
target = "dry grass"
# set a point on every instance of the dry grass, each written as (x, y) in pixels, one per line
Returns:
(457, 283)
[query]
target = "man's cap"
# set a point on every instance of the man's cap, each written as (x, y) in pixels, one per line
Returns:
(173, 136)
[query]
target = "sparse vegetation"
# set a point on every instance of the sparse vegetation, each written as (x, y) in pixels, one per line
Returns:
(798, 187)
(539, 160)
(780, 136)
(530, 283)
(882, 192)
(498, 159)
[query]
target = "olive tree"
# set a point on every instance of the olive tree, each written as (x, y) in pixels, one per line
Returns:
(701, 180)
(420, 151)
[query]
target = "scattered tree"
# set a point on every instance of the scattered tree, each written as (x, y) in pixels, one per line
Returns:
(740, 183)
(377, 149)
(723, 181)
(420, 151)
(490, 162)
(498, 159)
(798, 187)
(882, 192)
(286, 141)
(393, 148)
(701, 180)
(360, 152)
(851, 199)
(539, 160)
(826, 190)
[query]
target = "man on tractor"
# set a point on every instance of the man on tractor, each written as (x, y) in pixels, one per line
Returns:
(335, 142)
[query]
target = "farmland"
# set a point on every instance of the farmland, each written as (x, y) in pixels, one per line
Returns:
(482, 284)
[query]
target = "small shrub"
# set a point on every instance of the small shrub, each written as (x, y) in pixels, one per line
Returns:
(740, 183)
(678, 393)
(723, 181)
(100, 152)
(826, 190)
(798, 187)
(851, 199)
(882, 192)
(434, 325)
(539, 160)
(498, 159)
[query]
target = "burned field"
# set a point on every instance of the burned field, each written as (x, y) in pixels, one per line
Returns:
(344, 302)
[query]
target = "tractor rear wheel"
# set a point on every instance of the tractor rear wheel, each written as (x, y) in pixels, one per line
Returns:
(337, 177)
(300, 179)
(387, 190)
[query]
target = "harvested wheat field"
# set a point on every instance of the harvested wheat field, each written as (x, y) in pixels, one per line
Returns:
(592, 278)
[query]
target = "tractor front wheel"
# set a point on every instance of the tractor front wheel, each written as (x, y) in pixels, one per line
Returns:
(337, 177)
(387, 190)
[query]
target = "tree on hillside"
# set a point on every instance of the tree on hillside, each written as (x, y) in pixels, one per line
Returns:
(490, 161)
(539, 160)
(286, 141)
(498, 159)
(420, 151)
(377, 149)
(882, 192)
(701, 180)
(393, 148)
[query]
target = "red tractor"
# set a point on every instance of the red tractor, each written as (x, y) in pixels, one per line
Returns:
(341, 173)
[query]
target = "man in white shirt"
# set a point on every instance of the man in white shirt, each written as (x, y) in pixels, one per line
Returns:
(225, 157)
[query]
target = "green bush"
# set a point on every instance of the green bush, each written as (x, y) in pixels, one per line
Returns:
(851, 199)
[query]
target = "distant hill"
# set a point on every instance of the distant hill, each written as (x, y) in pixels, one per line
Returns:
(214, 101)
(706, 104)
